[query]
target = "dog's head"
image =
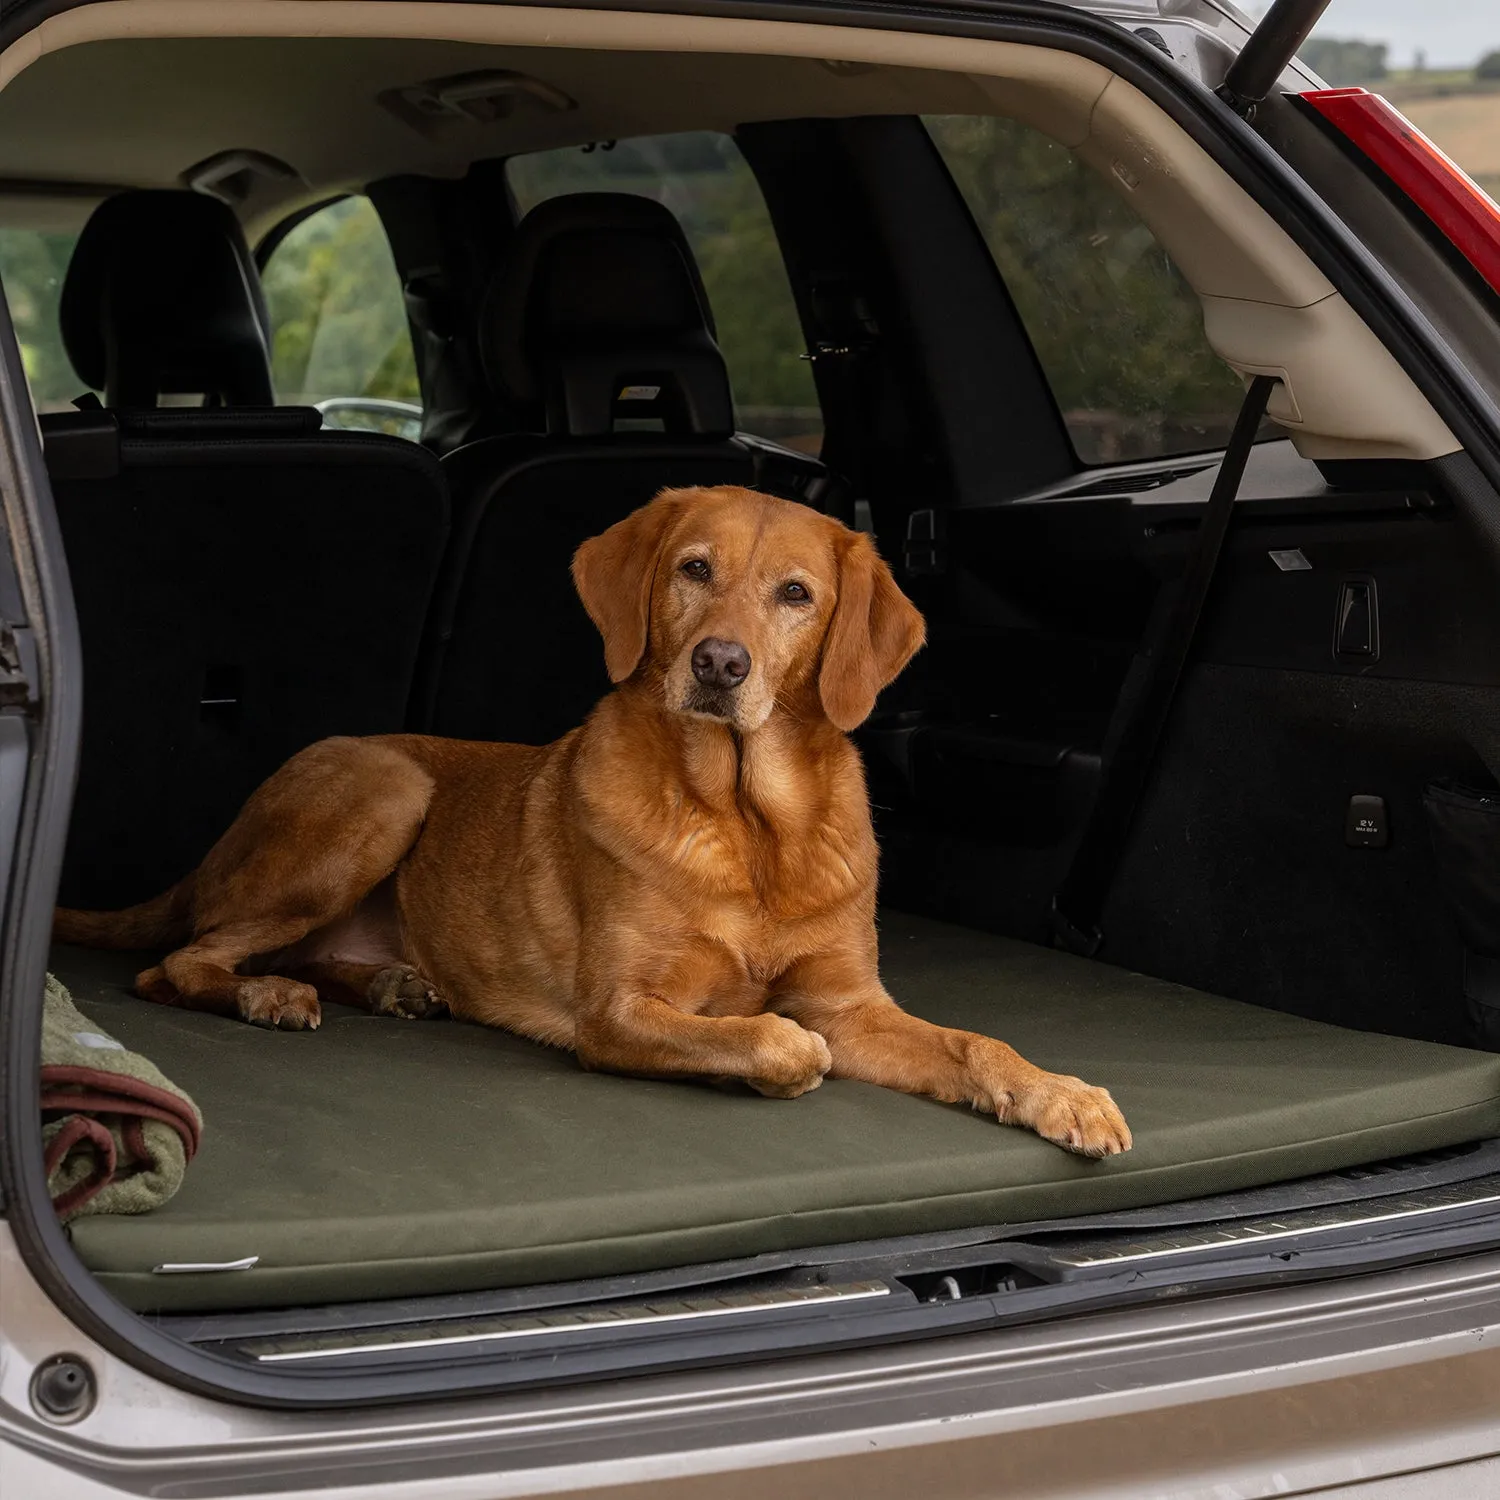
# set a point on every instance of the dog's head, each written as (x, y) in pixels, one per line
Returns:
(730, 602)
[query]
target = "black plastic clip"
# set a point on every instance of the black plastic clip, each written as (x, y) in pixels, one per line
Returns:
(1085, 943)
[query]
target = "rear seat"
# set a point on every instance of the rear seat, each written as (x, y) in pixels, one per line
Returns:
(245, 583)
(597, 315)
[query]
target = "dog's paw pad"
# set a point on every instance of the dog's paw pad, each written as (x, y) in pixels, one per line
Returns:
(401, 991)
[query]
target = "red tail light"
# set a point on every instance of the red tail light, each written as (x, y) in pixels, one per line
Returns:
(1459, 207)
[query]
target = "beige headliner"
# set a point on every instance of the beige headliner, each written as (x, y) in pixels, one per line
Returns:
(159, 85)
(312, 102)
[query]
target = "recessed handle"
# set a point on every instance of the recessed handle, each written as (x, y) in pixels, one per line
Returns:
(1357, 626)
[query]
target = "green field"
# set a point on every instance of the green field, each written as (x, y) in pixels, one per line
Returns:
(1460, 114)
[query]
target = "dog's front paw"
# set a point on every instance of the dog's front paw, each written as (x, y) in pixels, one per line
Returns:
(792, 1060)
(1071, 1113)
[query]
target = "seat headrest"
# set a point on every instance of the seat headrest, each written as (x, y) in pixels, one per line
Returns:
(162, 298)
(598, 313)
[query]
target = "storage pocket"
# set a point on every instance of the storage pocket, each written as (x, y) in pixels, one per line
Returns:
(1465, 826)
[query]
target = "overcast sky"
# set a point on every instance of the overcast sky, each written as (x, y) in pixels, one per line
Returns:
(1451, 32)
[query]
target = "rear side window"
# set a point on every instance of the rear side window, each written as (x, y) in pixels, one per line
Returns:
(709, 186)
(339, 335)
(33, 263)
(1117, 330)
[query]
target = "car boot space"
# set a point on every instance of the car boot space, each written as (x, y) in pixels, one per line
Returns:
(377, 1157)
(906, 274)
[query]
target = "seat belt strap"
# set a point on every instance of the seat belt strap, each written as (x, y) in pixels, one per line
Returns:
(1079, 902)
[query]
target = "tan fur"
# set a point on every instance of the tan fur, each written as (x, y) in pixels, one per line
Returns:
(685, 885)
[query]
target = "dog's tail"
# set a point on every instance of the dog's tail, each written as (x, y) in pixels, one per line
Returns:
(163, 922)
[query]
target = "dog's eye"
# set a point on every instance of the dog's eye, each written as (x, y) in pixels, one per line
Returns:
(795, 593)
(697, 569)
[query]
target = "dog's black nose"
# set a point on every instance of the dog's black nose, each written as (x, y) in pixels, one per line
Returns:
(720, 664)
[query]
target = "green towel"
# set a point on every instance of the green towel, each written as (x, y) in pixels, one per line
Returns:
(117, 1135)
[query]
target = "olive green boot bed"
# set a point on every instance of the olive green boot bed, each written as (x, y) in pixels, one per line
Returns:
(378, 1157)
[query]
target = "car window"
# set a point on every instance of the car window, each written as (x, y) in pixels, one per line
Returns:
(33, 263)
(1117, 330)
(709, 186)
(339, 334)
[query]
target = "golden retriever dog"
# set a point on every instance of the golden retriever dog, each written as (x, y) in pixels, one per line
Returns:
(684, 886)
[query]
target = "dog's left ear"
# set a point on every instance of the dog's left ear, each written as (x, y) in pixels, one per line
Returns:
(874, 632)
(613, 573)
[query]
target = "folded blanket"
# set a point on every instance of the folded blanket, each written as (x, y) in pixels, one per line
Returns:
(117, 1135)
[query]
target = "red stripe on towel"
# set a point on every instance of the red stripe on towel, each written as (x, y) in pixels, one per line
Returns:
(80, 1128)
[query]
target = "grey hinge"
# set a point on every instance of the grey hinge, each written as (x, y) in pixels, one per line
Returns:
(17, 667)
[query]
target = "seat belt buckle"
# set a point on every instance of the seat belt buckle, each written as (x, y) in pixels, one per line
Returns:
(1084, 942)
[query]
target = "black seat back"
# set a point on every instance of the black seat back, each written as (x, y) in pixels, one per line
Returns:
(596, 322)
(245, 585)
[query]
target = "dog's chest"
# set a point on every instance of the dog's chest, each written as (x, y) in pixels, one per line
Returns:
(743, 845)
(752, 870)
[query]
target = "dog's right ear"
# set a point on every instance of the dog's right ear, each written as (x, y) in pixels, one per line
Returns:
(613, 573)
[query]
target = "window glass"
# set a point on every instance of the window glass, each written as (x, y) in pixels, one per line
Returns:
(33, 263)
(340, 339)
(1118, 332)
(708, 185)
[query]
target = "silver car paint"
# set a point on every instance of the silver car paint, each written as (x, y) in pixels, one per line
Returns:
(1275, 1392)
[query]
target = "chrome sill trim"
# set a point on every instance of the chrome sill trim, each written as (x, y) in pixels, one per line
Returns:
(588, 1320)
(1400, 1208)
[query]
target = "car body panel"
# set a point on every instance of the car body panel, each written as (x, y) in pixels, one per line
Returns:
(1272, 1392)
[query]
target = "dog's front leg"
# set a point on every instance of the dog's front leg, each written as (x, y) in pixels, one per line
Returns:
(647, 1035)
(872, 1039)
